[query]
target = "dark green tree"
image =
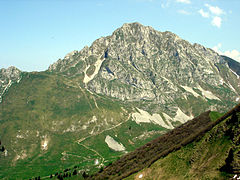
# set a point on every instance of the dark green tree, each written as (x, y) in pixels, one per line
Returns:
(3, 148)
(75, 172)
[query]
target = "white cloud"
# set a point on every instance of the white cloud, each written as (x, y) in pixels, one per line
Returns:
(234, 54)
(203, 13)
(184, 1)
(184, 12)
(217, 48)
(217, 21)
(215, 10)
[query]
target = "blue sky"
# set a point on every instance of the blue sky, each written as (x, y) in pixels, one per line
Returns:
(36, 33)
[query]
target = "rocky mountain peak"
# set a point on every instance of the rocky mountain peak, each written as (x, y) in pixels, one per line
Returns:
(10, 73)
(7, 77)
(137, 63)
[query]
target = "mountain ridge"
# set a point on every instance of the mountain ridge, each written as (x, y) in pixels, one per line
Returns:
(144, 63)
(123, 91)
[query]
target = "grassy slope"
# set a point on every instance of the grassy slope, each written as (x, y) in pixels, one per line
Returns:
(155, 149)
(43, 106)
(200, 159)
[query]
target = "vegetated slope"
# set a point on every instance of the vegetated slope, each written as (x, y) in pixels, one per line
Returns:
(121, 92)
(189, 148)
(50, 123)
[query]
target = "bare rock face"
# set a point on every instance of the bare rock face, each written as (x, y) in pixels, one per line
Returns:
(138, 63)
(7, 77)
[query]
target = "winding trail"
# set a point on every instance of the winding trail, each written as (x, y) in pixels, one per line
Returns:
(97, 153)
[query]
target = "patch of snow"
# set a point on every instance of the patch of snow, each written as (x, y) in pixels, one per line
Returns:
(44, 144)
(5, 89)
(231, 87)
(140, 176)
(19, 136)
(221, 81)
(19, 79)
(145, 117)
(114, 144)
(208, 71)
(93, 130)
(94, 119)
(237, 99)
(89, 91)
(167, 117)
(84, 127)
(96, 162)
(97, 65)
(105, 120)
(234, 73)
(180, 116)
(124, 109)
(72, 128)
(208, 94)
(17, 157)
(171, 84)
(5, 152)
(22, 155)
(142, 116)
(189, 89)
(95, 103)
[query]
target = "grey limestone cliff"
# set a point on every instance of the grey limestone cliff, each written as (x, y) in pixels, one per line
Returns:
(139, 63)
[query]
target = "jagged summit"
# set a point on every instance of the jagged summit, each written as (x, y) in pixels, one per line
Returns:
(137, 63)
(7, 77)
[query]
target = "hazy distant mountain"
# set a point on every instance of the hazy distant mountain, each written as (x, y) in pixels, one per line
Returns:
(94, 105)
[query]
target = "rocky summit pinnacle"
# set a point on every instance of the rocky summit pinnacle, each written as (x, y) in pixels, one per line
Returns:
(7, 77)
(139, 63)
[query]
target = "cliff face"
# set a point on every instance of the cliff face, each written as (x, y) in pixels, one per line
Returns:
(139, 63)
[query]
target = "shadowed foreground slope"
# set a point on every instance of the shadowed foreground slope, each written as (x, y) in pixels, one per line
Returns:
(194, 149)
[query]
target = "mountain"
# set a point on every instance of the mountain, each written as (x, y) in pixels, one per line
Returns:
(138, 63)
(97, 104)
(203, 148)
(7, 77)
